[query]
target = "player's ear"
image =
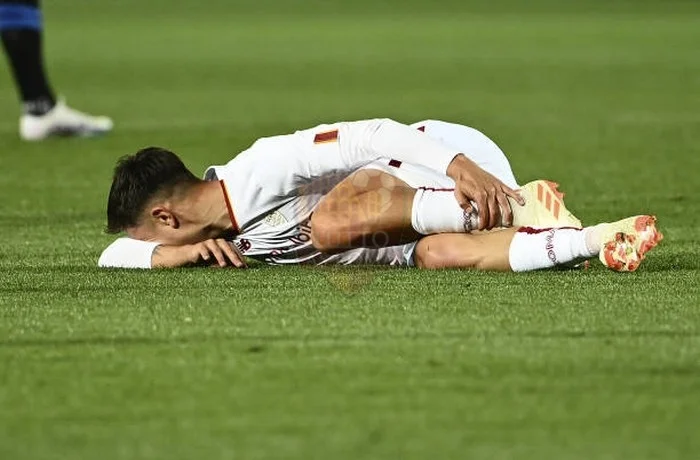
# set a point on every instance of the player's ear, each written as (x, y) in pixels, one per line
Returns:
(164, 216)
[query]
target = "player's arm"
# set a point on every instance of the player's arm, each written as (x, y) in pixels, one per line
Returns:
(131, 253)
(367, 140)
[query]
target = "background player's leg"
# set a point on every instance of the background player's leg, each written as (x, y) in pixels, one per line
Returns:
(475, 145)
(21, 31)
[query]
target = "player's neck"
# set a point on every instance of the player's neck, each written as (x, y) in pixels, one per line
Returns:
(208, 207)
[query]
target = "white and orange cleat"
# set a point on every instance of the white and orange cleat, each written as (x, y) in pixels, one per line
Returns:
(626, 242)
(544, 207)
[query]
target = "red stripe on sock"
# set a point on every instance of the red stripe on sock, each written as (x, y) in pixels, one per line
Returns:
(535, 231)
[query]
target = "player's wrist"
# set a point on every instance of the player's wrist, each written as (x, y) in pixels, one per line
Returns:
(169, 256)
(190, 253)
(457, 166)
(159, 257)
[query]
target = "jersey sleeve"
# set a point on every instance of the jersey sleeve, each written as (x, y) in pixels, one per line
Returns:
(127, 253)
(365, 141)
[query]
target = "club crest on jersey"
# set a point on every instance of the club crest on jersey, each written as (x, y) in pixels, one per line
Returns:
(275, 219)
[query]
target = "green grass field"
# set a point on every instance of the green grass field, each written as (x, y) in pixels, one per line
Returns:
(307, 363)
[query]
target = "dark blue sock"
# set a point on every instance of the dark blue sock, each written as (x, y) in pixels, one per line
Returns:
(21, 33)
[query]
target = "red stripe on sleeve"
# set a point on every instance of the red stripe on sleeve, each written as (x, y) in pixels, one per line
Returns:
(328, 136)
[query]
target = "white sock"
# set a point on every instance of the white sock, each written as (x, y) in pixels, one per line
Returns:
(437, 211)
(533, 249)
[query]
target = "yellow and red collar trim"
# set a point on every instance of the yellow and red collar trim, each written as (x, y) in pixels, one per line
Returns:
(229, 207)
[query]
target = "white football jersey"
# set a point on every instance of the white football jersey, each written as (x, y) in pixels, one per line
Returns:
(282, 234)
(273, 187)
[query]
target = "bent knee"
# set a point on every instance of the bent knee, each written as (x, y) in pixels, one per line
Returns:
(432, 253)
(323, 232)
(425, 257)
(318, 231)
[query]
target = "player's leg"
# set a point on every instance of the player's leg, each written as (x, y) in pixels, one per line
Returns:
(484, 251)
(510, 249)
(21, 31)
(388, 203)
(620, 245)
(372, 208)
(369, 206)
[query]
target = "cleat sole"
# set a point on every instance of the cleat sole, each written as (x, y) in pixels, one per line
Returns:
(626, 251)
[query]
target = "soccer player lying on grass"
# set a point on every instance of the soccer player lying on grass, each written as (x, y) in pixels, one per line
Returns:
(433, 195)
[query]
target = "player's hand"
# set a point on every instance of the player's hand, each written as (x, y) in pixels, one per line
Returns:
(473, 184)
(216, 252)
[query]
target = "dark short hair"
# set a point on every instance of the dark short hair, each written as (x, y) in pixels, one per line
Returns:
(149, 173)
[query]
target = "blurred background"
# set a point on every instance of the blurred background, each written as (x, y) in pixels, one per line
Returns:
(574, 81)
